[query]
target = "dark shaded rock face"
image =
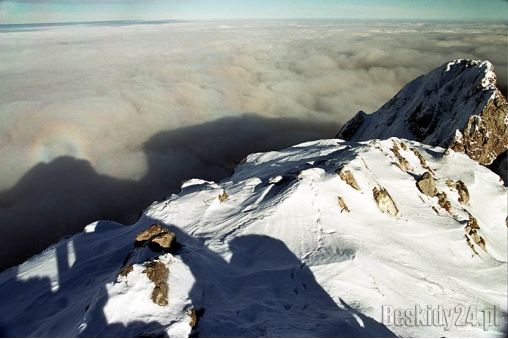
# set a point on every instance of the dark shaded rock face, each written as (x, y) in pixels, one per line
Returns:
(455, 106)
(500, 166)
(350, 128)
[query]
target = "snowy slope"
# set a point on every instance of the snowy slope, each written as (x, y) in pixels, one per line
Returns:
(279, 256)
(458, 100)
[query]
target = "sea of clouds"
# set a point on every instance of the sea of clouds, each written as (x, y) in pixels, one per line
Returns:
(98, 121)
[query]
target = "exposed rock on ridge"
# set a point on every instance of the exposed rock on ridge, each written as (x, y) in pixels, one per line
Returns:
(385, 201)
(158, 273)
(427, 185)
(457, 105)
(156, 234)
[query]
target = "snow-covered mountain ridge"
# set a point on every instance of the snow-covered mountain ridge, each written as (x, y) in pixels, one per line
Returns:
(313, 240)
(456, 105)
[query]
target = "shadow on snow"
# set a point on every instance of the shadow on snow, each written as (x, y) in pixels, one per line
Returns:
(61, 197)
(264, 290)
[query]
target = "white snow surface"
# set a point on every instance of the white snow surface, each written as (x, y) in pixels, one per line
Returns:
(279, 257)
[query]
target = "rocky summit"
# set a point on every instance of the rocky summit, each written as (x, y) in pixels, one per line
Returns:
(456, 105)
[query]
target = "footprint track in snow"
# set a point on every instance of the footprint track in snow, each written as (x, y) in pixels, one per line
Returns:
(320, 237)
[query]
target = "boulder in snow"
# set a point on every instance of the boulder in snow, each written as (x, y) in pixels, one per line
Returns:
(384, 201)
(463, 192)
(223, 196)
(158, 273)
(348, 177)
(427, 185)
(343, 205)
(156, 234)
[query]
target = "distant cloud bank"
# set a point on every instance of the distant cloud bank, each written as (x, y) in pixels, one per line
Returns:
(138, 107)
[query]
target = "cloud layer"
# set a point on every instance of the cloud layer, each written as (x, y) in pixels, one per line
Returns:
(104, 119)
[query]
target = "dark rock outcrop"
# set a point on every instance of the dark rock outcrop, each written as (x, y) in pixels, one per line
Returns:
(500, 166)
(351, 127)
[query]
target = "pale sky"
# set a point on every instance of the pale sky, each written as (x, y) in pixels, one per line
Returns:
(39, 11)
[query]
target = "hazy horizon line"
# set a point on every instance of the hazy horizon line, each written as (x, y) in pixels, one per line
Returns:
(164, 21)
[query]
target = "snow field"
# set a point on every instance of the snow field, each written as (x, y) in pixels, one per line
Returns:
(277, 255)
